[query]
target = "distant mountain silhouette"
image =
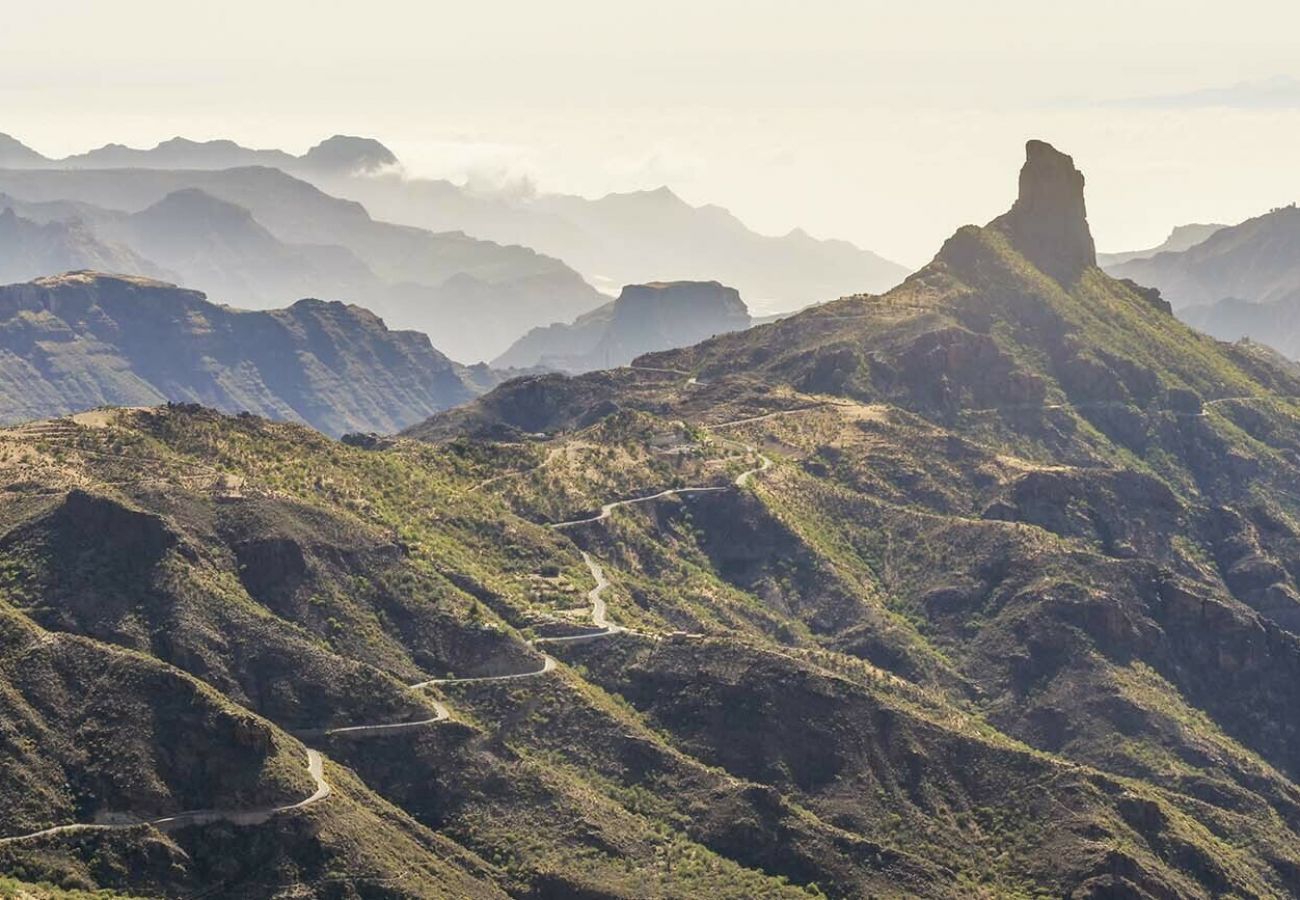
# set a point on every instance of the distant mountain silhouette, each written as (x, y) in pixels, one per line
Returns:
(1242, 281)
(639, 237)
(645, 318)
(29, 249)
(220, 245)
(622, 238)
(340, 154)
(1258, 260)
(1183, 237)
(258, 237)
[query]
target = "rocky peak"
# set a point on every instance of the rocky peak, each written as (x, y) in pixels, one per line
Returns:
(1049, 222)
(680, 306)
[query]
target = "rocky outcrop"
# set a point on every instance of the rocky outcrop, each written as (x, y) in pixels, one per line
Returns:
(1049, 222)
(645, 318)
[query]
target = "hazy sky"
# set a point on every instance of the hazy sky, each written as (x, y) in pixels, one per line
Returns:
(888, 124)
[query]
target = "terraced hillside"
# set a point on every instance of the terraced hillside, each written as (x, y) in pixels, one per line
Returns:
(984, 587)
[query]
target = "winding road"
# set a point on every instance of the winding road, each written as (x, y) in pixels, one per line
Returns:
(256, 816)
(314, 760)
(609, 508)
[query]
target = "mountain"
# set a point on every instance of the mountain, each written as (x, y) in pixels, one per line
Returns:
(1255, 260)
(1276, 323)
(29, 249)
(257, 233)
(81, 340)
(636, 238)
(1016, 488)
(1183, 237)
(220, 245)
(340, 154)
(14, 153)
(628, 238)
(644, 318)
(1244, 281)
(983, 587)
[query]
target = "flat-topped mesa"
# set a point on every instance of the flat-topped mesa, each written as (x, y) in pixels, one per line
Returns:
(1049, 222)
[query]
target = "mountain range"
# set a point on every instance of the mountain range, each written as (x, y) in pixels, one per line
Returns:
(81, 340)
(618, 239)
(1037, 494)
(249, 235)
(985, 586)
(340, 154)
(638, 237)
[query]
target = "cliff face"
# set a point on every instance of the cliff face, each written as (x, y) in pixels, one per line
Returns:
(82, 340)
(645, 318)
(1049, 221)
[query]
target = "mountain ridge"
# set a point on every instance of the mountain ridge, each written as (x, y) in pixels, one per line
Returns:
(472, 296)
(985, 586)
(83, 339)
(621, 238)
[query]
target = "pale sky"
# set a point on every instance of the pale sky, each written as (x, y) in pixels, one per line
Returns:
(888, 124)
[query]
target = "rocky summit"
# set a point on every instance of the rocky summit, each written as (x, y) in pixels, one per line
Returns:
(644, 318)
(1049, 221)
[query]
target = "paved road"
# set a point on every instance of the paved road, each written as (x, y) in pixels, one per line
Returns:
(441, 714)
(256, 816)
(547, 665)
(599, 612)
(315, 762)
(744, 477)
(610, 507)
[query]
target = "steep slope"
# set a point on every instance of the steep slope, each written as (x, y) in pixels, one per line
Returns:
(30, 249)
(219, 246)
(1014, 484)
(644, 318)
(240, 538)
(82, 340)
(477, 296)
(315, 583)
(1183, 237)
(982, 587)
(1255, 261)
